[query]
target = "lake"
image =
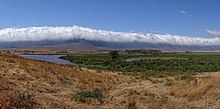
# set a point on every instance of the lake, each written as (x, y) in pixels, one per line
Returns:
(48, 58)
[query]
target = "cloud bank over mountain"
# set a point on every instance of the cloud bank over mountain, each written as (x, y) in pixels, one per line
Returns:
(76, 32)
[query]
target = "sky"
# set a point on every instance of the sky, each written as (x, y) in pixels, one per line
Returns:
(193, 18)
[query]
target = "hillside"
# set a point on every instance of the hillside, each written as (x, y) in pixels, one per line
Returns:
(27, 83)
(83, 44)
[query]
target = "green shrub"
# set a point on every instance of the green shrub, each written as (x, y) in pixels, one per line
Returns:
(187, 77)
(22, 100)
(87, 95)
(114, 54)
(150, 65)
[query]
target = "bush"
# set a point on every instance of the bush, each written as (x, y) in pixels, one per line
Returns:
(86, 95)
(187, 77)
(22, 100)
(132, 104)
(150, 65)
(114, 54)
(168, 83)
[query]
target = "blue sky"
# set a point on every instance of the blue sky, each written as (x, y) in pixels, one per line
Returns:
(181, 17)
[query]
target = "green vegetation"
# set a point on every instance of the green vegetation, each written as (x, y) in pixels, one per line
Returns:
(187, 77)
(114, 55)
(87, 95)
(22, 100)
(143, 52)
(151, 65)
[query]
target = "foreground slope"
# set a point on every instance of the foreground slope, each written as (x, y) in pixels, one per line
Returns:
(49, 85)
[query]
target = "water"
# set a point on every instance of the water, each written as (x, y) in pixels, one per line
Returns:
(48, 58)
(133, 60)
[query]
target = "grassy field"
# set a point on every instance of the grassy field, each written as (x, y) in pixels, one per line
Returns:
(29, 84)
(152, 65)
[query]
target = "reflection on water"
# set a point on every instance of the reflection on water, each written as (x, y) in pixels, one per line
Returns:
(133, 59)
(48, 58)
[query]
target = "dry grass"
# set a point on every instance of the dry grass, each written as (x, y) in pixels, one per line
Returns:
(54, 85)
(203, 92)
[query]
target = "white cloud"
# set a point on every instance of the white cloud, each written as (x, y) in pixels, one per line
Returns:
(183, 12)
(76, 32)
(213, 32)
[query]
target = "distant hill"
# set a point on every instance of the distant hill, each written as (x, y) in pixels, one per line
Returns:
(100, 45)
(76, 37)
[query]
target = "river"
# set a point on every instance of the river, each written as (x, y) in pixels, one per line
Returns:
(48, 58)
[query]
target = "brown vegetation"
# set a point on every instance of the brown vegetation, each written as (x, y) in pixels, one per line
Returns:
(35, 84)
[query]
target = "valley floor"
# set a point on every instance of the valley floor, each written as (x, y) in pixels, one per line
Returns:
(33, 84)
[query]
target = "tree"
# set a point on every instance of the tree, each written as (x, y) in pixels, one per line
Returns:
(114, 54)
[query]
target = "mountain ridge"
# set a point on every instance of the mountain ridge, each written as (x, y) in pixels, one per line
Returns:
(101, 45)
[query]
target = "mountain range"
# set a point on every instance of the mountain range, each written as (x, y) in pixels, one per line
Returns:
(103, 45)
(85, 38)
